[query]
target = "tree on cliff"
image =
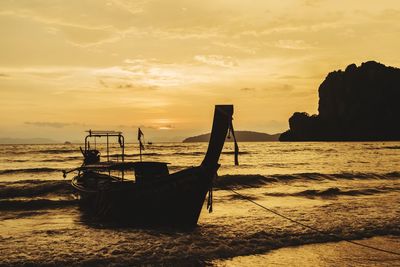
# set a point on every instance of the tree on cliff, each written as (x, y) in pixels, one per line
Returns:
(358, 104)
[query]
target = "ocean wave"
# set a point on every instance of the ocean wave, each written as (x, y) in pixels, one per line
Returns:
(74, 157)
(34, 188)
(382, 147)
(57, 159)
(62, 159)
(35, 204)
(233, 152)
(243, 181)
(392, 147)
(55, 151)
(195, 153)
(202, 153)
(114, 155)
(53, 160)
(29, 170)
(17, 160)
(333, 192)
(44, 151)
(172, 248)
(303, 149)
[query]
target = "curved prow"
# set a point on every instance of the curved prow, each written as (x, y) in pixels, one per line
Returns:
(221, 124)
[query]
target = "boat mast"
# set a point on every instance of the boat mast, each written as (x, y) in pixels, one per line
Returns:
(108, 150)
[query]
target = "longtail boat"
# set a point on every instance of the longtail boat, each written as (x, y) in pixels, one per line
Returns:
(154, 197)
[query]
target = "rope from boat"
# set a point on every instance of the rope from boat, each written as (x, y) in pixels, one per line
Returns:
(210, 194)
(232, 131)
(313, 228)
(210, 200)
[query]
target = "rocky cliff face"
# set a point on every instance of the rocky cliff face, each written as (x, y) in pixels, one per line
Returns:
(360, 103)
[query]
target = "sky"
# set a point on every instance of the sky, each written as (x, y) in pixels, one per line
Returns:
(69, 66)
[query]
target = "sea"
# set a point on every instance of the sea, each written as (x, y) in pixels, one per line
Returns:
(286, 204)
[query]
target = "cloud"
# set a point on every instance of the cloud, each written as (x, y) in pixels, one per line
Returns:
(103, 83)
(78, 30)
(43, 72)
(133, 7)
(143, 74)
(149, 126)
(133, 86)
(51, 75)
(166, 127)
(389, 14)
(86, 37)
(240, 48)
(293, 44)
(247, 89)
(287, 88)
(279, 90)
(124, 85)
(51, 124)
(216, 60)
(312, 2)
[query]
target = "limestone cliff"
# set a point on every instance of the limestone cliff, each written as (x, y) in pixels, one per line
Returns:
(358, 104)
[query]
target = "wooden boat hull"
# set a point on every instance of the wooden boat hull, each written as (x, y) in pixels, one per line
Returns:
(175, 199)
(156, 197)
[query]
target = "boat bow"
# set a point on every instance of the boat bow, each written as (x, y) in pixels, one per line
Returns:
(222, 123)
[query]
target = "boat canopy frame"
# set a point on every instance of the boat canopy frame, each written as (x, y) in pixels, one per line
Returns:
(107, 134)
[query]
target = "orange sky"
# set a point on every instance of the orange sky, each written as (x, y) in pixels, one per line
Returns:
(67, 66)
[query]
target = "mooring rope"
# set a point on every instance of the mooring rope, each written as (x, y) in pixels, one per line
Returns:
(312, 228)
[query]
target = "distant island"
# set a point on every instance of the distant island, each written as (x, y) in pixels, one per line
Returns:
(241, 136)
(358, 104)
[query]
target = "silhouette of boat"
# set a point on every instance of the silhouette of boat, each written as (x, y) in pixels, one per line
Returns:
(155, 197)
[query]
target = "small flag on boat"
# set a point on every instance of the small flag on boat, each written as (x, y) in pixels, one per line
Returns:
(140, 134)
(141, 146)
